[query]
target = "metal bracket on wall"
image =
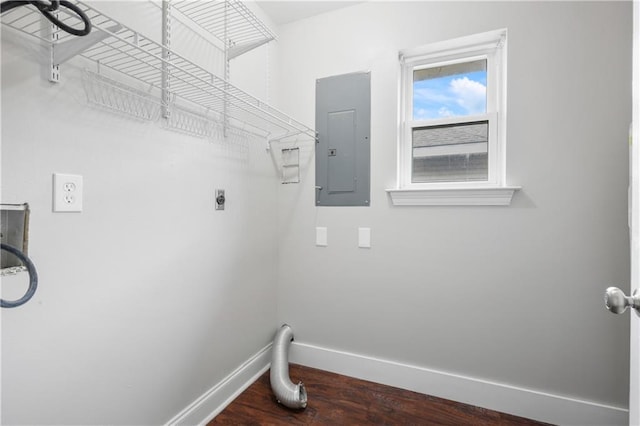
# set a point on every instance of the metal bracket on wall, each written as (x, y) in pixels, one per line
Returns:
(290, 165)
(14, 231)
(54, 71)
(61, 52)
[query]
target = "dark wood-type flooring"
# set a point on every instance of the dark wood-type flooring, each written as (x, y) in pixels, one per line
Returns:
(339, 400)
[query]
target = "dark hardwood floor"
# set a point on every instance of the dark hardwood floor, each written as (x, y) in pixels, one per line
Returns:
(341, 400)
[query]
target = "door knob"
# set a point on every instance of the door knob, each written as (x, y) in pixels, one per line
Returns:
(617, 302)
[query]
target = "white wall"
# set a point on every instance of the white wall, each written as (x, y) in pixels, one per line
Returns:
(511, 295)
(149, 297)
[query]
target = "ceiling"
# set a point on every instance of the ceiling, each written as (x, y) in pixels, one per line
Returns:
(284, 12)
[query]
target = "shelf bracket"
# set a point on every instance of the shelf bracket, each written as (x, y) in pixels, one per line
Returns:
(62, 52)
(54, 37)
(235, 51)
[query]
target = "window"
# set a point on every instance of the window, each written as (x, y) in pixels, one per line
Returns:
(452, 112)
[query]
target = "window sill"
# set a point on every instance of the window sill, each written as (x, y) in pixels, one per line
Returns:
(486, 196)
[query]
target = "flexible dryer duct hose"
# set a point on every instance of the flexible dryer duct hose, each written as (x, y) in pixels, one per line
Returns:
(288, 394)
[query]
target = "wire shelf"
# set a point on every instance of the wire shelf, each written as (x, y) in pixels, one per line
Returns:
(231, 22)
(128, 52)
(191, 122)
(118, 97)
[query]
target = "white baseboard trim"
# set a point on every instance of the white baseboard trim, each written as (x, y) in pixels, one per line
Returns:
(522, 402)
(212, 402)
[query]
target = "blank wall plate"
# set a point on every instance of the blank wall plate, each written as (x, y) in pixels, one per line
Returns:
(321, 236)
(67, 193)
(364, 237)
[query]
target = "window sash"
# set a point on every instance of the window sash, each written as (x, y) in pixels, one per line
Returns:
(491, 51)
(493, 177)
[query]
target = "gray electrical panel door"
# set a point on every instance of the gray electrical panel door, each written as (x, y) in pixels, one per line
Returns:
(343, 124)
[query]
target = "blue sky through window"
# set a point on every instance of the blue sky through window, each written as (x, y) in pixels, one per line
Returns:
(450, 96)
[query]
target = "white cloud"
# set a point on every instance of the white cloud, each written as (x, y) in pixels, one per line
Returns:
(432, 96)
(421, 114)
(470, 95)
(445, 112)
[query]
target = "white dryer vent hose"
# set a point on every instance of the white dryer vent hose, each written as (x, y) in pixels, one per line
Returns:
(287, 393)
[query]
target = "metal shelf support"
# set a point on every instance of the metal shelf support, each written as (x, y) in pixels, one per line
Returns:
(166, 58)
(63, 51)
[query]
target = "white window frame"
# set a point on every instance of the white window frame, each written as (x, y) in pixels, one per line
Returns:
(494, 191)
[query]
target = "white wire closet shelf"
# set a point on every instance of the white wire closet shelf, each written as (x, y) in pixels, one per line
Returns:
(231, 22)
(113, 95)
(126, 51)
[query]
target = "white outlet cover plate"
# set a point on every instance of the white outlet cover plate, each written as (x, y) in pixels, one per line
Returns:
(364, 237)
(67, 192)
(321, 236)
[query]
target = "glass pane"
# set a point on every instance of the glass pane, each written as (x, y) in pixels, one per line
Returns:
(455, 90)
(450, 153)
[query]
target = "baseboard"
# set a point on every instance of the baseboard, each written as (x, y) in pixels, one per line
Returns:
(522, 402)
(212, 402)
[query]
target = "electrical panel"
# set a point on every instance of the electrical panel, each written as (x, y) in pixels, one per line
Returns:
(343, 145)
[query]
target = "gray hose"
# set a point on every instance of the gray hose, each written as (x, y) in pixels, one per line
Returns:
(287, 393)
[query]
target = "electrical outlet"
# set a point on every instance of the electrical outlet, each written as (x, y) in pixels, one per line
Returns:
(220, 199)
(67, 193)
